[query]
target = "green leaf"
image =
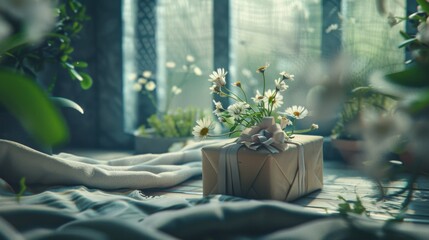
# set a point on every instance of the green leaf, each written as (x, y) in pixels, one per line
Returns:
(412, 77)
(80, 64)
(86, 83)
(407, 42)
(418, 102)
(64, 58)
(64, 102)
(22, 189)
(75, 74)
(11, 42)
(31, 106)
(424, 4)
(69, 50)
(405, 35)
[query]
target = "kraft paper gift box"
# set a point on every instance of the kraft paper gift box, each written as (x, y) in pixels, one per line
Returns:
(260, 174)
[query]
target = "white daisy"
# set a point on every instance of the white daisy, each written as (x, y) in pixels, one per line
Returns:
(190, 58)
(201, 130)
(221, 119)
(276, 100)
(218, 77)
(214, 89)
(170, 64)
(298, 112)
(258, 97)
(147, 74)
(218, 108)
(280, 85)
(150, 86)
(142, 80)
(137, 87)
(197, 71)
(314, 126)
(285, 75)
(263, 68)
(284, 121)
(236, 110)
(176, 90)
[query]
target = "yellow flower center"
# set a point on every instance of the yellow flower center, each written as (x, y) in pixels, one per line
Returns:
(204, 131)
(296, 114)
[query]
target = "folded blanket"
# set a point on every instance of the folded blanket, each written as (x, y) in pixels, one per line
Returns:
(133, 172)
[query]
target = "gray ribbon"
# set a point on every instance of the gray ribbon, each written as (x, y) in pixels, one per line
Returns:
(259, 140)
(228, 173)
(301, 167)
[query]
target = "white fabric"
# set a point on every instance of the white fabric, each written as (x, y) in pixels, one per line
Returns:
(133, 172)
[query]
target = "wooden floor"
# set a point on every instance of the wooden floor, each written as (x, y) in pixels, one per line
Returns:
(339, 180)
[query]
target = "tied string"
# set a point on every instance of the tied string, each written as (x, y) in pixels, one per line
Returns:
(266, 134)
(301, 167)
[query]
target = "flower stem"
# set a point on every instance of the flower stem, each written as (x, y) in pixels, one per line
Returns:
(263, 77)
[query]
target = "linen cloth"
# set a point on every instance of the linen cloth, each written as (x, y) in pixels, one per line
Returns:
(133, 172)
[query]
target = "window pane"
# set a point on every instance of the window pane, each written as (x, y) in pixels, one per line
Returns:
(284, 33)
(184, 29)
(368, 37)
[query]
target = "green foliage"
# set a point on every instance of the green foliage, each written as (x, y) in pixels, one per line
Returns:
(361, 96)
(55, 49)
(176, 124)
(21, 60)
(22, 189)
(414, 77)
(31, 106)
(355, 207)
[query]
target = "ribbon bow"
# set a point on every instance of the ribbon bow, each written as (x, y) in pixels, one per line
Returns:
(267, 133)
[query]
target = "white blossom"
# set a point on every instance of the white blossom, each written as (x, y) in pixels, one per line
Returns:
(150, 86)
(197, 71)
(190, 58)
(202, 129)
(273, 100)
(297, 112)
(147, 74)
(280, 85)
(176, 90)
(218, 77)
(236, 110)
(170, 64)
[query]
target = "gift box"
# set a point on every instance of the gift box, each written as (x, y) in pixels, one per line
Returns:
(232, 168)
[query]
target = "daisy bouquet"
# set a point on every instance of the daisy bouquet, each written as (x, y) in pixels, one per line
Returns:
(245, 113)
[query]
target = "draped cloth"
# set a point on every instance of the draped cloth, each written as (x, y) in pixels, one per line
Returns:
(132, 172)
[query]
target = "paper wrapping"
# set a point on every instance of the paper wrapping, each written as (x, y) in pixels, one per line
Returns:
(265, 175)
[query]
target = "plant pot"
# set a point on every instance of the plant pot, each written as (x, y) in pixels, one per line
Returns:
(351, 151)
(153, 144)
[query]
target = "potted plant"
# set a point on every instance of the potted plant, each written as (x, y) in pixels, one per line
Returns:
(167, 129)
(346, 135)
(411, 87)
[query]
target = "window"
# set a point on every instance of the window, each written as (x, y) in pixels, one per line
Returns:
(291, 35)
